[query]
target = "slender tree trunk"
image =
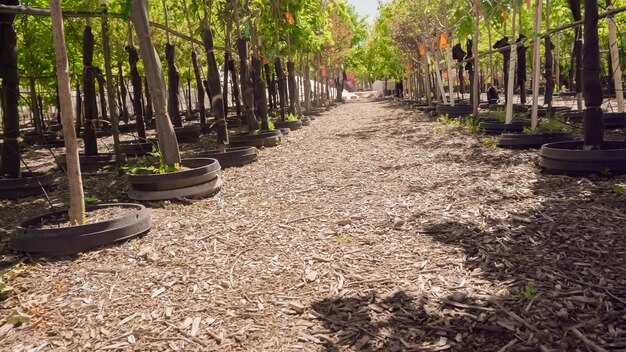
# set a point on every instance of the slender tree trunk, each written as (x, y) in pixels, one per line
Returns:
(474, 73)
(260, 98)
(168, 144)
(549, 65)
(307, 85)
(135, 79)
(536, 66)
(102, 92)
(615, 59)
(593, 122)
(225, 85)
(246, 85)
(173, 83)
(106, 51)
(235, 85)
(10, 154)
(89, 95)
(199, 87)
(282, 90)
(76, 212)
(124, 115)
(450, 70)
(149, 110)
(216, 91)
(79, 110)
(37, 119)
(270, 86)
(511, 72)
(291, 83)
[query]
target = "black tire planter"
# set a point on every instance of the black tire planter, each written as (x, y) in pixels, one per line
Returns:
(234, 121)
(292, 125)
(91, 163)
(30, 184)
(232, 157)
(65, 241)
(136, 148)
(531, 141)
(285, 131)
(263, 139)
(306, 121)
(491, 127)
(312, 113)
(188, 134)
(569, 158)
(200, 170)
(567, 94)
(104, 132)
(55, 128)
(455, 111)
(502, 107)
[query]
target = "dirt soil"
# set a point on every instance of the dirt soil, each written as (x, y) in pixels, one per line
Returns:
(374, 229)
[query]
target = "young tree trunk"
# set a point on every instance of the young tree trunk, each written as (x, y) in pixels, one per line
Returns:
(593, 122)
(10, 154)
(124, 115)
(199, 87)
(474, 73)
(511, 72)
(450, 71)
(247, 85)
(235, 85)
(135, 79)
(521, 67)
(291, 83)
(173, 82)
(536, 66)
(89, 95)
(615, 59)
(106, 51)
(577, 54)
(168, 144)
(37, 119)
(260, 98)
(149, 110)
(79, 110)
(282, 90)
(270, 86)
(225, 85)
(216, 91)
(549, 65)
(189, 103)
(441, 90)
(102, 93)
(76, 212)
(307, 86)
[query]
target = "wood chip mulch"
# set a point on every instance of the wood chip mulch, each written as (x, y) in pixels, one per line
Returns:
(374, 229)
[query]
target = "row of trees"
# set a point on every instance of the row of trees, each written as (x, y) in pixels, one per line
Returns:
(408, 30)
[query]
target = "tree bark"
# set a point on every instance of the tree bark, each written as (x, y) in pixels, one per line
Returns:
(89, 95)
(216, 91)
(536, 66)
(247, 86)
(10, 155)
(235, 86)
(260, 98)
(225, 85)
(616, 69)
(124, 115)
(173, 82)
(76, 212)
(593, 122)
(102, 93)
(199, 87)
(549, 65)
(281, 87)
(291, 82)
(136, 82)
(168, 145)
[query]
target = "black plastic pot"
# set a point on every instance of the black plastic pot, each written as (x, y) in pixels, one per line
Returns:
(531, 141)
(232, 157)
(136, 148)
(199, 180)
(306, 121)
(89, 163)
(263, 139)
(30, 184)
(493, 127)
(454, 111)
(569, 158)
(64, 241)
(188, 134)
(292, 125)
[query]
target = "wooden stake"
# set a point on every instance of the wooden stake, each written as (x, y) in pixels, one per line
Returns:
(536, 65)
(512, 64)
